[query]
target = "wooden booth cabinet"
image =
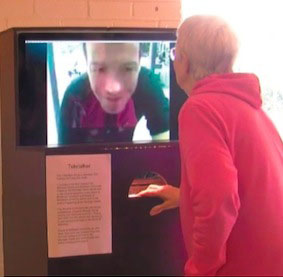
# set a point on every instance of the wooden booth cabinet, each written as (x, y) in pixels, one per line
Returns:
(141, 244)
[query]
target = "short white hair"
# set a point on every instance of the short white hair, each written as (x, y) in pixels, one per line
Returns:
(209, 43)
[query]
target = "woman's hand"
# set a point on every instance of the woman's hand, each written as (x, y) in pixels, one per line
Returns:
(169, 194)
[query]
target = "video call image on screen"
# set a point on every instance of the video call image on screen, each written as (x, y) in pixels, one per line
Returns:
(98, 91)
(108, 91)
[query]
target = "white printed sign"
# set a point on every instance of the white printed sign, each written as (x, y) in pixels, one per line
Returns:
(78, 204)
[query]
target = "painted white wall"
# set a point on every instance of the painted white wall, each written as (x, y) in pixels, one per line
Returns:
(258, 24)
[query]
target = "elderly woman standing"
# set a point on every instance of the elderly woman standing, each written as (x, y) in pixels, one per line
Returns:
(231, 193)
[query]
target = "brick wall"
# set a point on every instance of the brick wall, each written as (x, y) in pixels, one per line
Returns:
(97, 13)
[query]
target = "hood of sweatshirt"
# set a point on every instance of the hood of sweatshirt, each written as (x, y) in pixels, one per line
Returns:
(243, 86)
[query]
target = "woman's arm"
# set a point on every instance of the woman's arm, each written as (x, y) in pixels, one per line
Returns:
(169, 194)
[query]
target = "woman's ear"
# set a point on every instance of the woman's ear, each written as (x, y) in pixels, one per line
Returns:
(188, 65)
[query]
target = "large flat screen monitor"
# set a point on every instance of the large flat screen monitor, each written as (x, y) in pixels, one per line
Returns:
(97, 86)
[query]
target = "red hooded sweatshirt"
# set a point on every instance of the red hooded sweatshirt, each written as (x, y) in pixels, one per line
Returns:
(231, 202)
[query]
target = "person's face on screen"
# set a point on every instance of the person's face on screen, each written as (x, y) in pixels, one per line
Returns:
(113, 70)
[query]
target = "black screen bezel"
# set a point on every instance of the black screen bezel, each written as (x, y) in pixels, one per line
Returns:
(129, 34)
